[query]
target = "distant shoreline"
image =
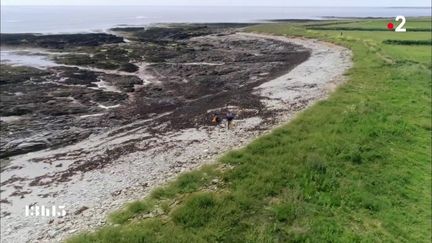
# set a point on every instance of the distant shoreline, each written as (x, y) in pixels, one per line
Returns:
(94, 19)
(186, 6)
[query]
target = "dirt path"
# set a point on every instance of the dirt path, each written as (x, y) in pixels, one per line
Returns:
(157, 157)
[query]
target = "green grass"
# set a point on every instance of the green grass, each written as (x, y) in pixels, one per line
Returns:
(353, 168)
(408, 42)
(412, 24)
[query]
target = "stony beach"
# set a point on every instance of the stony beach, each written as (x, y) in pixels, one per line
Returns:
(115, 115)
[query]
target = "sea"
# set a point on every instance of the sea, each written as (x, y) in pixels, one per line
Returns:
(73, 19)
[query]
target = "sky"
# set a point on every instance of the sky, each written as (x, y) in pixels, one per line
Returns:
(318, 3)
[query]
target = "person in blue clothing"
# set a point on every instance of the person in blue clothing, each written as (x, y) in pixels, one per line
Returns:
(229, 117)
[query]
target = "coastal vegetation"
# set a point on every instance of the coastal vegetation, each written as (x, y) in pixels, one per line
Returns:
(408, 42)
(355, 167)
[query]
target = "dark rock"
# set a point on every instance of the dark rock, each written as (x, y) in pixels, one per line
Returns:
(14, 148)
(129, 67)
(116, 193)
(52, 103)
(60, 41)
(80, 210)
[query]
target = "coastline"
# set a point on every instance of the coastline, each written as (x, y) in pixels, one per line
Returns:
(187, 149)
(15, 19)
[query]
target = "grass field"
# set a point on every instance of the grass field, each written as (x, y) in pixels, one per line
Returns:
(353, 168)
(423, 23)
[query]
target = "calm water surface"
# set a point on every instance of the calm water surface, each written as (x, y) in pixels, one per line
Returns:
(63, 19)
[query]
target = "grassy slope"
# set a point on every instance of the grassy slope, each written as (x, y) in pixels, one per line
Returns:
(382, 23)
(356, 167)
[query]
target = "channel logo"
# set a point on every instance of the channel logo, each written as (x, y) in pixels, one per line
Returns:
(400, 27)
(44, 211)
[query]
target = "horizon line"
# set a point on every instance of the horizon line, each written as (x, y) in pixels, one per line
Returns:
(186, 5)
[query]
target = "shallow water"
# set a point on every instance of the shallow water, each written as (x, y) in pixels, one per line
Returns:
(26, 58)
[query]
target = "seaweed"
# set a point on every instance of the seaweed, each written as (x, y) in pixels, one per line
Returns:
(59, 41)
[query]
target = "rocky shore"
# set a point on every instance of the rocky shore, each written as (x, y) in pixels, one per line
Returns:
(116, 117)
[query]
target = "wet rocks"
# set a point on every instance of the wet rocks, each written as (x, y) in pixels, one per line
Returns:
(13, 75)
(30, 146)
(193, 68)
(60, 41)
(129, 67)
(52, 100)
(123, 83)
(21, 147)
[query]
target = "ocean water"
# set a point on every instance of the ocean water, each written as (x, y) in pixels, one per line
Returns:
(31, 58)
(68, 19)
